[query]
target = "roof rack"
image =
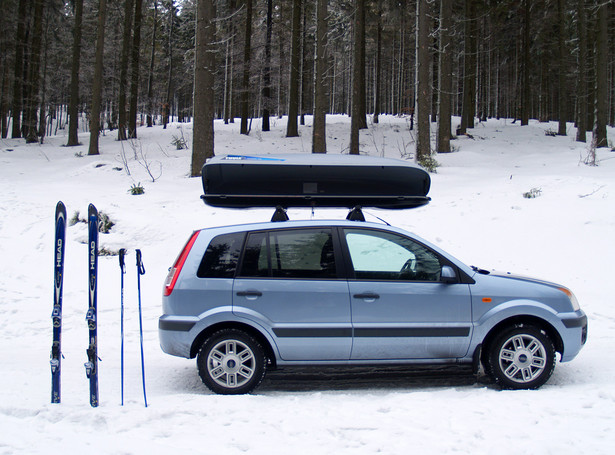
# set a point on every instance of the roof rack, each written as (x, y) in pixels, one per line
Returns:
(355, 214)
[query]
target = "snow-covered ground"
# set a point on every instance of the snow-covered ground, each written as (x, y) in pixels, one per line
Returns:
(478, 213)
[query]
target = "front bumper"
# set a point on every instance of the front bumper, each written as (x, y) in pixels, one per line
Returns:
(575, 334)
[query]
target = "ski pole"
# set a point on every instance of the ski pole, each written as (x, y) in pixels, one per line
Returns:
(141, 271)
(123, 271)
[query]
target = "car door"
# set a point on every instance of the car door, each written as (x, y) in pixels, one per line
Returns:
(400, 308)
(289, 283)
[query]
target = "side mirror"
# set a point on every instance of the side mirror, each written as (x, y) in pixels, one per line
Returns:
(448, 275)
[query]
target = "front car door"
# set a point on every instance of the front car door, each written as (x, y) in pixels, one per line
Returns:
(290, 284)
(400, 308)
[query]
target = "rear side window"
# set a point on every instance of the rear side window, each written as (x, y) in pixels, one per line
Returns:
(221, 257)
(297, 253)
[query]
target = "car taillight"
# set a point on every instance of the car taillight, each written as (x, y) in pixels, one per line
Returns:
(174, 271)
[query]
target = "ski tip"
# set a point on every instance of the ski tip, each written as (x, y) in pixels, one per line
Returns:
(60, 210)
(92, 211)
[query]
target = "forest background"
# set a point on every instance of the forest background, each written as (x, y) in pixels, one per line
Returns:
(109, 66)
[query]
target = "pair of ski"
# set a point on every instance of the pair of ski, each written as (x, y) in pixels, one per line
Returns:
(91, 366)
(140, 271)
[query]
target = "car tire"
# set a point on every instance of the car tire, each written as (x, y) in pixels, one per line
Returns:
(521, 357)
(231, 362)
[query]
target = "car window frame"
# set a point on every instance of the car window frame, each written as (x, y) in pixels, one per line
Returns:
(242, 244)
(340, 262)
(444, 261)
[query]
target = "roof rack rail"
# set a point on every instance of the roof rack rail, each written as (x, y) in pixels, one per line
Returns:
(355, 214)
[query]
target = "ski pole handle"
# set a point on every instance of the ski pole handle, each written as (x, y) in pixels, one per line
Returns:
(140, 267)
(122, 264)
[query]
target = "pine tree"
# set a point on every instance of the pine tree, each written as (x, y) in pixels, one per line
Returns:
(423, 148)
(135, 71)
(204, 68)
(247, 53)
(445, 82)
(292, 128)
(73, 108)
(321, 82)
(97, 79)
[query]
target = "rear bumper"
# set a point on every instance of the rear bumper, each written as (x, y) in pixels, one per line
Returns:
(175, 334)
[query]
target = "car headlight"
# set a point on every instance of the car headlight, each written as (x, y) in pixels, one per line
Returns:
(573, 300)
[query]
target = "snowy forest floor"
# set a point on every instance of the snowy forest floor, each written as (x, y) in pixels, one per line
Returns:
(478, 213)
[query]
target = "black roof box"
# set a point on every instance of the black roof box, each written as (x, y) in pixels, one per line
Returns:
(313, 180)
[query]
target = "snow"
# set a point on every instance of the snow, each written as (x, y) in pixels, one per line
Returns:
(478, 214)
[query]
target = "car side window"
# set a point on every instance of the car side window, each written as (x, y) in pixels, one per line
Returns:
(377, 255)
(256, 257)
(221, 257)
(295, 253)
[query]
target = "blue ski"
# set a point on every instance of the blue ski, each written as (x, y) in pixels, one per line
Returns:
(56, 315)
(91, 366)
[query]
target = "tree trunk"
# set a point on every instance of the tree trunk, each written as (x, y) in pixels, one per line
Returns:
(602, 41)
(267, 71)
(97, 79)
(303, 67)
(445, 86)
(321, 82)
(247, 52)
(42, 124)
(204, 69)
(34, 78)
(73, 107)
(18, 75)
(581, 114)
(4, 87)
(423, 100)
(135, 71)
(525, 81)
(150, 78)
(357, 118)
(166, 107)
(121, 126)
(361, 37)
(292, 129)
(469, 68)
(378, 65)
(562, 95)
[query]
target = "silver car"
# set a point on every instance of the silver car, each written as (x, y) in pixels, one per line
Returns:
(247, 298)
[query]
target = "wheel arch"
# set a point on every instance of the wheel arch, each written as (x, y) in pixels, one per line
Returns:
(255, 333)
(519, 321)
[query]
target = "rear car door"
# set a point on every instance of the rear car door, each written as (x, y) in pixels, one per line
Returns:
(290, 284)
(400, 308)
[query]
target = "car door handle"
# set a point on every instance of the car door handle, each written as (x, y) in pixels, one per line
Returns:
(249, 294)
(367, 296)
